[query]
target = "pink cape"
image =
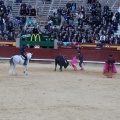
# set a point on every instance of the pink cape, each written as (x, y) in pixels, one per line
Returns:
(74, 60)
(105, 69)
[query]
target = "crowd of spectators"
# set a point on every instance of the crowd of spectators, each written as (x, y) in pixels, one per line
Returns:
(18, 1)
(93, 25)
(9, 28)
(44, 1)
(27, 10)
(55, 18)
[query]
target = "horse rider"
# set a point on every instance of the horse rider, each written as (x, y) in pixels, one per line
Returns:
(80, 58)
(22, 52)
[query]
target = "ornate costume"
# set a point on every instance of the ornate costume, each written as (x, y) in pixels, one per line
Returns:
(109, 67)
(80, 58)
(73, 62)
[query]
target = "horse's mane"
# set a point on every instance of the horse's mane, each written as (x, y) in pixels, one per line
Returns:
(29, 55)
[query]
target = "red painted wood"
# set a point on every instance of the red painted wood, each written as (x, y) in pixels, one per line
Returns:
(44, 53)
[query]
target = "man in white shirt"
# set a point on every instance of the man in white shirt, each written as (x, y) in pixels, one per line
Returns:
(34, 21)
(102, 38)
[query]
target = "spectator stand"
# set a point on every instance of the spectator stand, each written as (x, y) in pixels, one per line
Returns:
(15, 7)
(7, 31)
(86, 24)
(27, 9)
(112, 40)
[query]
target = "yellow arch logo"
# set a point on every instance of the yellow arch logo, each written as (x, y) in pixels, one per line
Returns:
(35, 36)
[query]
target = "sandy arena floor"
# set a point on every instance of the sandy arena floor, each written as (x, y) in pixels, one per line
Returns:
(69, 95)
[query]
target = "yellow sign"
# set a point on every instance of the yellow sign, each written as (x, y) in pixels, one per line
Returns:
(35, 36)
(7, 43)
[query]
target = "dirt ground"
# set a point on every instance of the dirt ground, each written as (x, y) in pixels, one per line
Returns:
(44, 94)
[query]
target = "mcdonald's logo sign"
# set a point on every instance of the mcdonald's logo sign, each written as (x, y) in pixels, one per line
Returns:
(35, 36)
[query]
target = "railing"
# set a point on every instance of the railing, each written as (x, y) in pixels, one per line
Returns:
(83, 2)
(5, 1)
(51, 6)
(107, 1)
(42, 8)
(114, 4)
(35, 3)
(59, 2)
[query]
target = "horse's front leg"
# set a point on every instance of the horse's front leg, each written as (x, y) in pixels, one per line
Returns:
(13, 69)
(25, 70)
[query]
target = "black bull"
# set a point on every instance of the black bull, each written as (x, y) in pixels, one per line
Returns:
(61, 61)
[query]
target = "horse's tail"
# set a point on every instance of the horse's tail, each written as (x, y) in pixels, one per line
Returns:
(11, 65)
(11, 61)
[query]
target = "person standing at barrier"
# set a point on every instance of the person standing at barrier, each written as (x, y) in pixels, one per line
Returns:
(109, 67)
(80, 58)
(22, 52)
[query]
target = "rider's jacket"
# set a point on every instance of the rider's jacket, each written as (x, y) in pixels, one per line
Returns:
(22, 49)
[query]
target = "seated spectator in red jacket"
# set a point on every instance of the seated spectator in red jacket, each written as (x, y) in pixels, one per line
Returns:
(33, 12)
(23, 5)
(29, 6)
(23, 11)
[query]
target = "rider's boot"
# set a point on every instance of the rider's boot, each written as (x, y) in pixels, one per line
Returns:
(25, 62)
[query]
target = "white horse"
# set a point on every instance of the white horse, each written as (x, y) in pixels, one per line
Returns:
(18, 59)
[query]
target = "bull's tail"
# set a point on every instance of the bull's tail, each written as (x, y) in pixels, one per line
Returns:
(11, 65)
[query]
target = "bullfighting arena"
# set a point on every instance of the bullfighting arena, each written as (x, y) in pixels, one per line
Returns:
(44, 94)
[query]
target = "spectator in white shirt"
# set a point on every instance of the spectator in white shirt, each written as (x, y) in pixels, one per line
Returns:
(34, 21)
(102, 38)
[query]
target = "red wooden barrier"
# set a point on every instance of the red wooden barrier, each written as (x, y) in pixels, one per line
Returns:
(44, 53)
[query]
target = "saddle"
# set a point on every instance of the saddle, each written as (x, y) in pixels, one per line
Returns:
(22, 57)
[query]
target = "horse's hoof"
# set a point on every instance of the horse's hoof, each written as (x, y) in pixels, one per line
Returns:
(14, 74)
